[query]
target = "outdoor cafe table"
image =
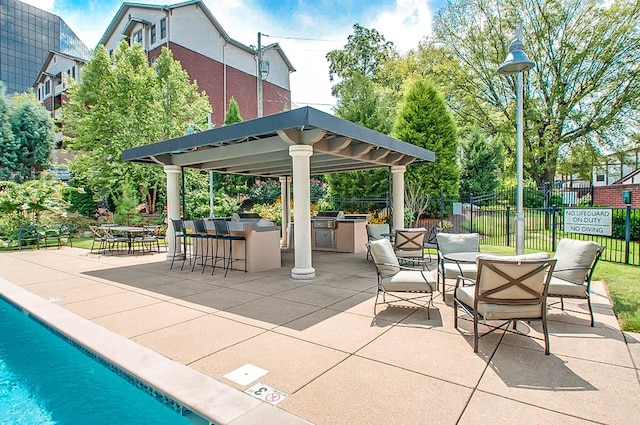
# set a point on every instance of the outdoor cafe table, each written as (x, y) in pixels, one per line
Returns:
(465, 257)
(131, 232)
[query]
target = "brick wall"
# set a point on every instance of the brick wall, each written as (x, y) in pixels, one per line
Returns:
(243, 87)
(611, 196)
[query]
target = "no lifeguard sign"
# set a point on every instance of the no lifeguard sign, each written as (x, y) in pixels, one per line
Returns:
(589, 221)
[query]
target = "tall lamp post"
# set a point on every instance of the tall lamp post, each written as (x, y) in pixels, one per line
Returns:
(517, 63)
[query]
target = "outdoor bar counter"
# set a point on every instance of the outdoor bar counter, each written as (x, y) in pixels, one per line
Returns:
(263, 246)
(350, 236)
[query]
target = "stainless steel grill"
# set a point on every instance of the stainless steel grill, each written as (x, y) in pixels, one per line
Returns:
(325, 225)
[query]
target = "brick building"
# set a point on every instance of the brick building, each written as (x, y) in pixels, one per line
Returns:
(222, 66)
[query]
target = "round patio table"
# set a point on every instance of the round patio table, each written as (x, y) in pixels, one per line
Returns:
(466, 257)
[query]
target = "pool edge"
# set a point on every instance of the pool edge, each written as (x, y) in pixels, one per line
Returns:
(207, 397)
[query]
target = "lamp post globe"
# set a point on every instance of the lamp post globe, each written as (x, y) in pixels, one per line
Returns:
(517, 63)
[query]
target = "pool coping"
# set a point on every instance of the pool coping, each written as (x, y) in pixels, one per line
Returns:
(207, 397)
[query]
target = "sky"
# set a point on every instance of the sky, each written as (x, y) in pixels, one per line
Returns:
(305, 29)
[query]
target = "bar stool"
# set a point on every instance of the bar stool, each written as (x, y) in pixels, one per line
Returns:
(202, 238)
(178, 233)
(222, 233)
(189, 232)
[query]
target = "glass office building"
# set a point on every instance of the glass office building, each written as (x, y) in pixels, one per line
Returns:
(27, 35)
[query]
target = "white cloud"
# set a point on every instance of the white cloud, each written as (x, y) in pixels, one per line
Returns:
(406, 24)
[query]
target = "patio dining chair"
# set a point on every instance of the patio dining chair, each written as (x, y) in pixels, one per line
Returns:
(394, 279)
(449, 243)
(506, 289)
(375, 232)
(576, 261)
(98, 236)
(409, 245)
(431, 244)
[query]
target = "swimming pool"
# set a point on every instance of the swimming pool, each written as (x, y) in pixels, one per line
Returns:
(46, 380)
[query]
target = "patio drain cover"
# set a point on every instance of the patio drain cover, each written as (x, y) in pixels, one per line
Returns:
(244, 375)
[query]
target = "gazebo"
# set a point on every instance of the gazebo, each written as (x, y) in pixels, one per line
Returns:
(293, 146)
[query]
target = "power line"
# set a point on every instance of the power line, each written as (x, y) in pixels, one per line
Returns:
(302, 38)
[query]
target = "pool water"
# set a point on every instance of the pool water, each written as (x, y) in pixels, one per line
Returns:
(46, 380)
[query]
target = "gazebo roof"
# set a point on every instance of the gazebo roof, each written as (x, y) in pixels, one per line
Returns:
(260, 147)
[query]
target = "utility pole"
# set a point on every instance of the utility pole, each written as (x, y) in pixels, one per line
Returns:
(260, 113)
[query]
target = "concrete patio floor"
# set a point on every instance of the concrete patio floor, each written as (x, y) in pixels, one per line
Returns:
(338, 361)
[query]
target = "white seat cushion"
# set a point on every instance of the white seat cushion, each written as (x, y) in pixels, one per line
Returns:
(574, 259)
(491, 311)
(452, 242)
(563, 288)
(410, 280)
(452, 271)
(384, 257)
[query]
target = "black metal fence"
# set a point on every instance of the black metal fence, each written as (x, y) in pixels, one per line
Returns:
(492, 216)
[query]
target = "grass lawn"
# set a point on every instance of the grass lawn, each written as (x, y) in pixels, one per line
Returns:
(622, 283)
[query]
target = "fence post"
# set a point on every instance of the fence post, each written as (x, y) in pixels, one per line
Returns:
(553, 228)
(441, 208)
(508, 225)
(627, 234)
(471, 212)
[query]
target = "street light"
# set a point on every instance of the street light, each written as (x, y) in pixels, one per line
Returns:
(517, 63)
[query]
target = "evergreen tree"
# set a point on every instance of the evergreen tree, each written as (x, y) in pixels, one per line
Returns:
(32, 127)
(8, 146)
(233, 113)
(424, 120)
(481, 163)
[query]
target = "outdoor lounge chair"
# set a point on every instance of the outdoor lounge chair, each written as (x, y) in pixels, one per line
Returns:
(374, 232)
(394, 279)
(571, 278)
(409, 245)
(449, 243)
(506, 289)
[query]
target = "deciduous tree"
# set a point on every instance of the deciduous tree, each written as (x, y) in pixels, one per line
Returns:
(585, 87)
(124, 102)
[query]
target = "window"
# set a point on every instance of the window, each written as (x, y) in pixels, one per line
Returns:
(153, 34)
(137, 38)
(47, 87)
(600, 177)
(73, 72)
(163, 28)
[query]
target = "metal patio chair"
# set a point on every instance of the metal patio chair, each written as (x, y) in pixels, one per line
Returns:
(416, 284)
(576, 261)
(449, 243)
(409, 245)
(375, 232)
(506, 289)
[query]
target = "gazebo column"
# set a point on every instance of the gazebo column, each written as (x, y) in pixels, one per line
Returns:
(300, 155)
(173, 207)
(397, 173)
(285, 196)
